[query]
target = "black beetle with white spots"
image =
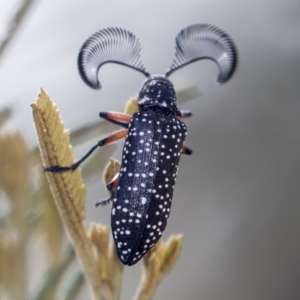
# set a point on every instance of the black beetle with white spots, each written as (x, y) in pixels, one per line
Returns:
(154, 136)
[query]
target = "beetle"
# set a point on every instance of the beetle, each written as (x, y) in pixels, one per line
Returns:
(141, 193)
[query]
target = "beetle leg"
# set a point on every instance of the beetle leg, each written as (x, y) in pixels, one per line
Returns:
(117, 118)
(186, 150)
(103, 202)
(185, 114)
(113, 137)
(106, 141)
(111, 186)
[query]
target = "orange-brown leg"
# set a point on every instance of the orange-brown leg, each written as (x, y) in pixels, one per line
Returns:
(111, 186)
(112, 138)
(186, 150)
(116, 118)
(106, 141)
(185, 114)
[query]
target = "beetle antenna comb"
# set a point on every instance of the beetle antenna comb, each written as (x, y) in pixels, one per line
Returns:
(204, 41)
(110, 45)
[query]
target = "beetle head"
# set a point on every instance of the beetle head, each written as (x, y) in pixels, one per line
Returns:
(158, 91)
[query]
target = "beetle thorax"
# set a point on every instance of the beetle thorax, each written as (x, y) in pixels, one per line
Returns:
(158, 91)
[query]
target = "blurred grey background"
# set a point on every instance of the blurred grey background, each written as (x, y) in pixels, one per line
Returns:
(237, 199)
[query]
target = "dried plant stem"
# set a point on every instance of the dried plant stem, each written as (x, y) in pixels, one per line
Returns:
(116, 270)
(67, 189)
(76, 283)
(109, 265)
(47, 288)
(157, 263)
(14, 239)
(15, 23)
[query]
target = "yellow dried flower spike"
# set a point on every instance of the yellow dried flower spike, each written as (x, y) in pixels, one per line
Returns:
(157, 263)
(131, 106)
(67, 188)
